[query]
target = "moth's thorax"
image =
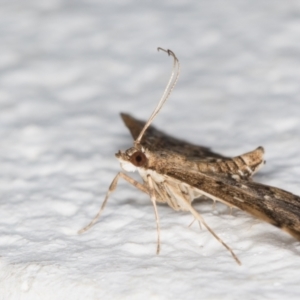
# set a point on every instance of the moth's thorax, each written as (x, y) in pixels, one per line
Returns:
(162, 161)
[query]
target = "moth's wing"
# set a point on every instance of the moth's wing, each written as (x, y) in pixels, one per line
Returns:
(273, 205)
(243, 166)
(156, 140)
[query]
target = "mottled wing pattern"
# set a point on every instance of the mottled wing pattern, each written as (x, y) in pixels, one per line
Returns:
(273, 205)
(156, 140)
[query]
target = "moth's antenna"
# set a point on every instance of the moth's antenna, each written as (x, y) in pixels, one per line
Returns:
(168, 90)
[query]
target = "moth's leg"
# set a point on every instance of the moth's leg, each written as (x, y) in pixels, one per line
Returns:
(200, 225)
(199, 218)
(194, 222)
(153, 199)
(214, 204)
(112, 187)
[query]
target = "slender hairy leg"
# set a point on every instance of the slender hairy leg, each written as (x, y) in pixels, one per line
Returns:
(200, 219)
(112, 187)
(153, 199)
(194, 222)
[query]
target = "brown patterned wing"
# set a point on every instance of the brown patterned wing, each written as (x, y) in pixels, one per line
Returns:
(270, 204)
(156, 140)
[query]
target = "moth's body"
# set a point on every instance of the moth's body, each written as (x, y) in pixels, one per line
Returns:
(177, 172)
(175, 192)
(179, 179)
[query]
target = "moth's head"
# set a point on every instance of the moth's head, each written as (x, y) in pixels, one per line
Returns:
(132, 158)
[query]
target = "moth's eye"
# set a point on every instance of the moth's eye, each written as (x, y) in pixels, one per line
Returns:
(138, 158)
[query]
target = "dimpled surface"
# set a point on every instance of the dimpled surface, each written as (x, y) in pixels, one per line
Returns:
(67, 69)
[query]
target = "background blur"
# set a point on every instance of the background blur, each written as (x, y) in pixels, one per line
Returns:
(67, 68)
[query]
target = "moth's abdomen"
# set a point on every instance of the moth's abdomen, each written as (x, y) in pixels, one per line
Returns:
(249, 163)
(239, 167)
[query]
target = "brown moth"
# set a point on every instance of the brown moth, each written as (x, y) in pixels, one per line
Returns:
(176, 172)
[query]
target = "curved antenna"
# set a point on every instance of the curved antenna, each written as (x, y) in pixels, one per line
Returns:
(167, 92)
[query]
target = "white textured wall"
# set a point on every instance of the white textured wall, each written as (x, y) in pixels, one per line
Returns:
(67, 68)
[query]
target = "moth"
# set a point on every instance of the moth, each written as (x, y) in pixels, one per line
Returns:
(177, 172)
